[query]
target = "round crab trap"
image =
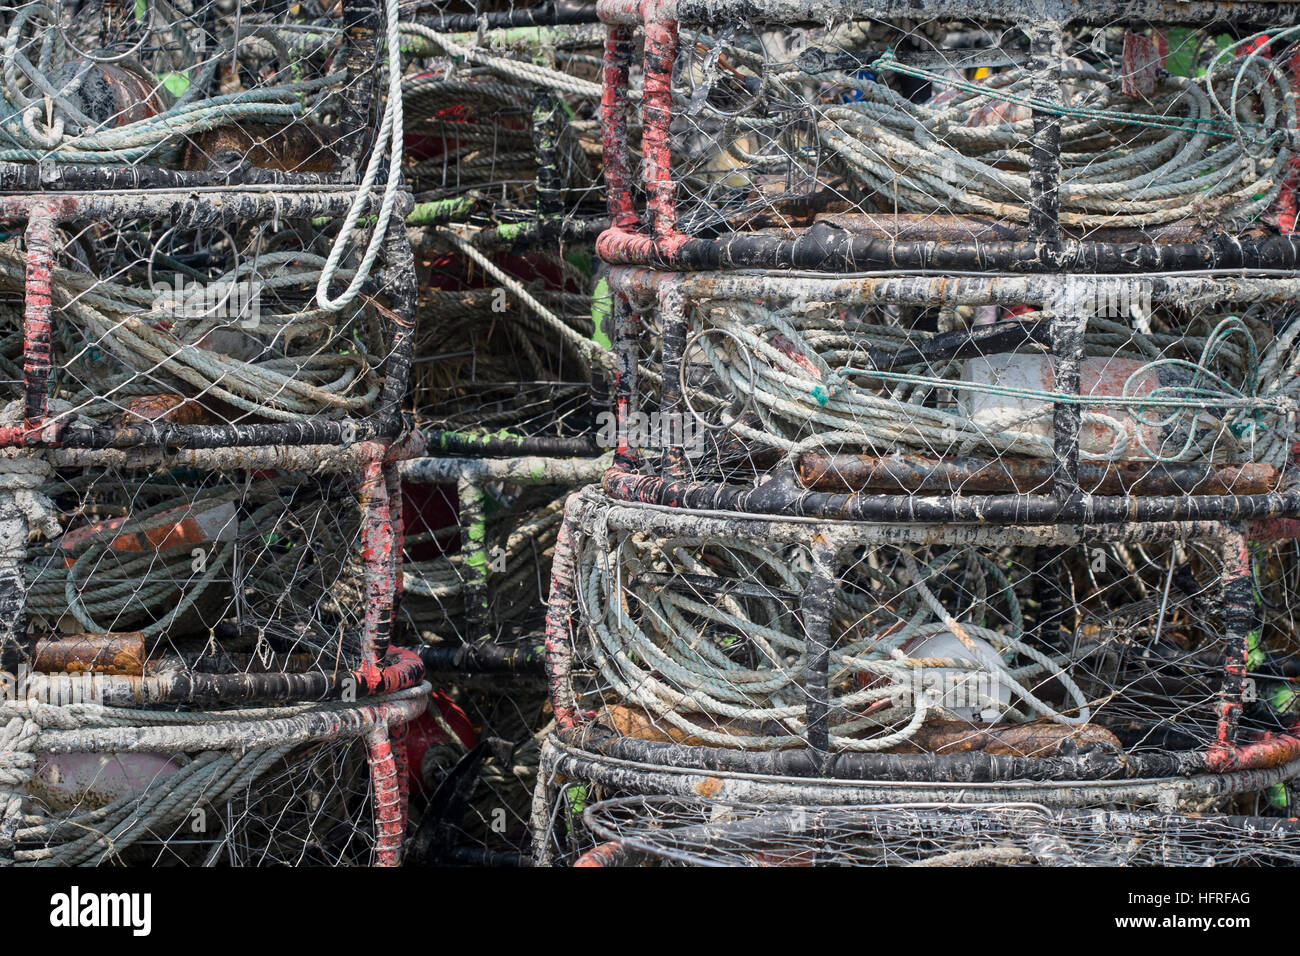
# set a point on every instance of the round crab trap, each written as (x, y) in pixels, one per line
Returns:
(1113, 138)
(664, 831)
(932, 385)
(758, 658)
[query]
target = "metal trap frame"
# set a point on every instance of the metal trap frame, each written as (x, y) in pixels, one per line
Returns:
(650, 235)
(1010, 490)
(359, 52)
(811, 769)
(264, 715)
(669, 832)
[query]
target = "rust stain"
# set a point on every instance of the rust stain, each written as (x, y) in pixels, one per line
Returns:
(709, 787)
(299, 148)
(168, 407)
(122, 653)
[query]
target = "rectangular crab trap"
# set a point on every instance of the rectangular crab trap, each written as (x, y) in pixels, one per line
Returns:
(214, 577)
(479, 538)
(192, 624)
(123, 795)
(507, 360)
(192, 321)
(112, 94)
(505, 162)
(1121, 137)
(201, 575)
(504, 127)
(896, 397)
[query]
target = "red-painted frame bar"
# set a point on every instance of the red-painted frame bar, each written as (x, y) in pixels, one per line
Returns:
(656, 148)
(385, 783)
(1237, 610)
(37, 321)
(613, 113)
(377, 558)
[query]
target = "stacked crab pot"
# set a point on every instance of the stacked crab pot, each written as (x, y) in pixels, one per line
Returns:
(956, 394)
(208, 303)
(509, 378)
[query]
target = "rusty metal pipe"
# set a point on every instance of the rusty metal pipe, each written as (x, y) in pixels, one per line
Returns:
(901, 473)
(121, 654)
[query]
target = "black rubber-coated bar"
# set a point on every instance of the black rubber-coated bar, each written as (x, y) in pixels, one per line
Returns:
(973, 767)
(826, 247)
(538, 15)
(485, 658)
(816, 608)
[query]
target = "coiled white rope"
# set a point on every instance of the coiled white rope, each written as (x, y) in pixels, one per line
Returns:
(390, 143)
(42, 92)
(529, 73)
(1214, 154)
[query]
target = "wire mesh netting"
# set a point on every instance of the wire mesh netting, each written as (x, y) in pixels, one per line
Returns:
(947, 450)
(271, 806)
(227, 574)
(954, 451)
(487, 363)
(520, 540)
(505, 131)
(1111, 647)
(175, 325)
(667, 832)
(203, 380)
(915, 385)
(228, 89)
(922, 129)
